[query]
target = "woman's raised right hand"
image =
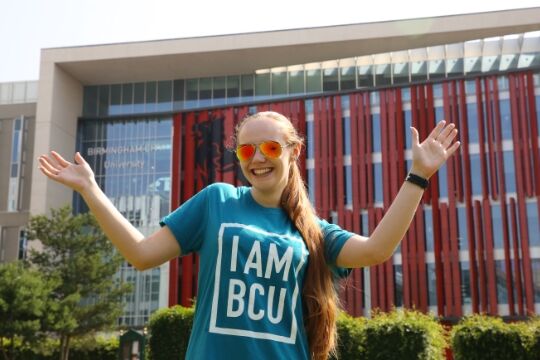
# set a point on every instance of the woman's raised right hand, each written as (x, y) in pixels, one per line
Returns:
(77, 175)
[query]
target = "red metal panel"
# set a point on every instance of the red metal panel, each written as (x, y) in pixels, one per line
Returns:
(454, 258)
(228, 132)
(502, 187)
(481, 139)
(413, 255)
(535, 150)
(324, 159)
(175, 199)
(373, 271)
(318, 155)
(188, 191)
(490, 259)
(461, 108)
(421, 260)
(405, 267)
(489, 134)
(518, 134)
(517, 270)
(355, 152)
(384, 148)
(453, 246)
(445, 239)
(480, 256)
(524, 131)
(368, 151)
(339, 163)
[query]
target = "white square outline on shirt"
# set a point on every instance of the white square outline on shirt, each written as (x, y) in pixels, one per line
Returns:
(253, 334)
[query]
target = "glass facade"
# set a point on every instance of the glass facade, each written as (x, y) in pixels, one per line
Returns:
(131, 160)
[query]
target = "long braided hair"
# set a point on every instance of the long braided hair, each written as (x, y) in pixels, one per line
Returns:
(319, 295)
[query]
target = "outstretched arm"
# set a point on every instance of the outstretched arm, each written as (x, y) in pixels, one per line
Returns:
(143, 253)
(427, 158)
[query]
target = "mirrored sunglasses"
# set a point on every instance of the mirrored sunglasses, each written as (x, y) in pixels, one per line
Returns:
(270, 149)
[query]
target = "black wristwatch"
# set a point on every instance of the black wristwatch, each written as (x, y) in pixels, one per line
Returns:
(417, 180)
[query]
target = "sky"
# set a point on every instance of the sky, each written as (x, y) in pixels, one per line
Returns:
(27, 26)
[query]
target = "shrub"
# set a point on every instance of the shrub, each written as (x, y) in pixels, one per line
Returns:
(169, 333)
(90, 348)
(534, 344)
(350, 333)
(484, 337)
(403, 334)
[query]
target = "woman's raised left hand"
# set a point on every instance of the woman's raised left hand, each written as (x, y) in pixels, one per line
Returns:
(429, 155)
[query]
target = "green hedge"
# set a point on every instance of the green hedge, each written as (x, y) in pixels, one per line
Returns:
(400, 334)
(169, 333)
(87, 349)
(403, 334)
(485, 337)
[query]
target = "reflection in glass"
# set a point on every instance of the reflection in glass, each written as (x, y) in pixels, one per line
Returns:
(428, 225)
(279, 83)
(398, 281)
(247, 87)
(536, 279)
(376, 132)
(473, 65)
(313, 81)
(472, 123)
(296, 82)
(164, 96)
(490, 63)
(418, 71)
(432, 284)
(330, 80)
(103, 105)
(365, 76)
(347, 78)
(462, 228)
(151, 96)
(454, 67)
(116, 100)
(192, 93)
(465, 283)
(233, 89)
(90, 100)
(378, 182)
(436, 69)
(500, 275)
(533, 224)
(401, 73)
(205, 92)
(383, 75)
(506, 119)
(509, 171)
(262, 85)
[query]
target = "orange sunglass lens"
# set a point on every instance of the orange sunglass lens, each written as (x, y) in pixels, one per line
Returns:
(245, 152)
(270, 149)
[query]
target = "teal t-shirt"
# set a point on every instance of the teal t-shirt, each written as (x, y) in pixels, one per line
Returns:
(251, 273)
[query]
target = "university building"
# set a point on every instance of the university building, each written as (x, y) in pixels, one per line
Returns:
(154, 119)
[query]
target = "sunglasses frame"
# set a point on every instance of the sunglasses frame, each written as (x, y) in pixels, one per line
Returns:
(258, 146)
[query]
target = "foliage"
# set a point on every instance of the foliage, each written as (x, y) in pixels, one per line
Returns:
(169, 333)
(486, 337)
(534, 344)
(350, 336)
(23, 304)
(87, 298)
(403, 334)
(88, 348)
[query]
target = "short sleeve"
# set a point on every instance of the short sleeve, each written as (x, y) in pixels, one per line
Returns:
(334, 239)
(188, 222)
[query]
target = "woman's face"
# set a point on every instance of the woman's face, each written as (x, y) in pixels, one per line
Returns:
(267, 176)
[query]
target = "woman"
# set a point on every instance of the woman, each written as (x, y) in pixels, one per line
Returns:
(267, 263)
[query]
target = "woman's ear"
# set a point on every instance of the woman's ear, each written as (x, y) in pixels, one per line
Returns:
(296, 152)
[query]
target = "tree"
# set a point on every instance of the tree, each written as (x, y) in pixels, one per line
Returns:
(23, 304)
(87, 298)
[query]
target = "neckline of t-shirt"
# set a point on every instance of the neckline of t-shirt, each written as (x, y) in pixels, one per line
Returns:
(275, 210)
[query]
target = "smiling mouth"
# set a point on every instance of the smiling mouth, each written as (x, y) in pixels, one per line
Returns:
(261, 172)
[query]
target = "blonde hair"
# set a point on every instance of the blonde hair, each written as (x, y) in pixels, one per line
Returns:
(319, 296)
